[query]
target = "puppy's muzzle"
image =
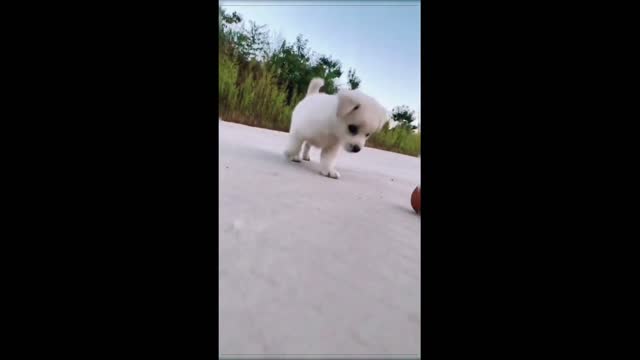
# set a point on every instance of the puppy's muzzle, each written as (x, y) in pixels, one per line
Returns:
(354, 148)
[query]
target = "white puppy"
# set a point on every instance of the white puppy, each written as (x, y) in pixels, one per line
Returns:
(332, 122)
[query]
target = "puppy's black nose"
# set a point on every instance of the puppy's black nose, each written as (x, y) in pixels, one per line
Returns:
(355, 148)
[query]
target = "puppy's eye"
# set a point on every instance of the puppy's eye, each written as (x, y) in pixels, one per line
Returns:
(367, 135)
(356, 108)
(353, 129)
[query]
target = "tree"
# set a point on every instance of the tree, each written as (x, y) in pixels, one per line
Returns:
(352, 79)
(328, 69)
(256, 44)
(290, 64)
(295, 66)
(273, 44)
(229, 38)
(301, 48)
(404, 117)
(225, 20)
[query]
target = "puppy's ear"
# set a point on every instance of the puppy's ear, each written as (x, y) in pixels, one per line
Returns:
(346, 103)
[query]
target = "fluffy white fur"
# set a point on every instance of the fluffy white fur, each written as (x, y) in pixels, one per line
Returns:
(324, 121)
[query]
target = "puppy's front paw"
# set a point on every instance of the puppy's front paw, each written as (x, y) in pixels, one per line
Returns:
(294, 157)
(306, 158)
(334, 174)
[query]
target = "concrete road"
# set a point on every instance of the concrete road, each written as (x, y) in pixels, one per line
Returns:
(311, 265)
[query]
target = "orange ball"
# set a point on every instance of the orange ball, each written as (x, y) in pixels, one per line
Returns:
(415, 200)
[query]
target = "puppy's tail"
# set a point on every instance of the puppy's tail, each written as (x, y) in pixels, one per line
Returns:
(314, 86)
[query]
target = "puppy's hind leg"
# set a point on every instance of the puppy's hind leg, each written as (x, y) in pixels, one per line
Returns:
(328, 160)
(305, 151)
(293, 149)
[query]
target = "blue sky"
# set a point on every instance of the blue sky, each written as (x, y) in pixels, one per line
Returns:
(382, 43)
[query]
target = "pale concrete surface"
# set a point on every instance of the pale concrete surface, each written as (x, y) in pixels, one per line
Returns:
(311, 265)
